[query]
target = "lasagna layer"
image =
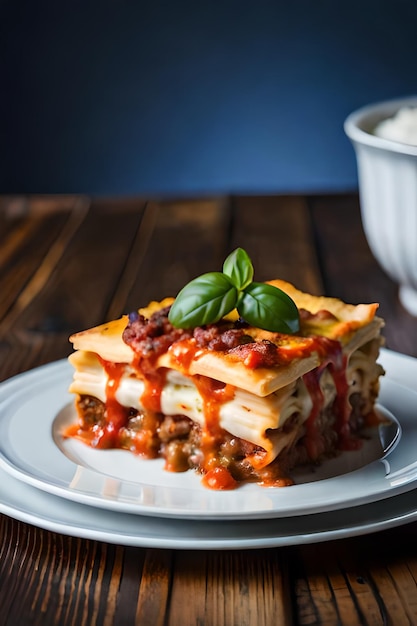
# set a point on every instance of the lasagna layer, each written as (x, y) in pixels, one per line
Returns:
(234, 402)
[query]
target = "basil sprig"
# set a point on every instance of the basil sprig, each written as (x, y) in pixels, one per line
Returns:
(208, 298)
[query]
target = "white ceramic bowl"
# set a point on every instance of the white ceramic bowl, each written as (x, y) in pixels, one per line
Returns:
(387, 175)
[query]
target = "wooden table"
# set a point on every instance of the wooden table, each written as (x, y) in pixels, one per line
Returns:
(69, 263)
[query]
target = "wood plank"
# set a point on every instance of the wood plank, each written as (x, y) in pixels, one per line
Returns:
(24, 247)
(186, 238)
(71, 278)
(331, 587)
(404, 583)
(17, 356)
(18, 207)
(54, 579)
(223, 588)
(363, 580)
(155, 587)
(392, 564)
(276, 233)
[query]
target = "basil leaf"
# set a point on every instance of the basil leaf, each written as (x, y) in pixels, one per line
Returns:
(268, 307)
(208, 298)
(204, 300)
(239, 268)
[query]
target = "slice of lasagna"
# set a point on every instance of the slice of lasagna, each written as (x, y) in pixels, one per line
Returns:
(232, 401)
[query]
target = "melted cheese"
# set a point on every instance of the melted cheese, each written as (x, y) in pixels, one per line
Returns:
(246, 416)
(258, 420)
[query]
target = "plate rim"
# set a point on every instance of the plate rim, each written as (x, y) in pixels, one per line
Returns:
(369, 521)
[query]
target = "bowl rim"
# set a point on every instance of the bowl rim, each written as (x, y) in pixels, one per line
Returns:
(359, 123)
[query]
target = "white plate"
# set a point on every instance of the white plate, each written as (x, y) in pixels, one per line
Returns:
(34, 506)
(33, 406)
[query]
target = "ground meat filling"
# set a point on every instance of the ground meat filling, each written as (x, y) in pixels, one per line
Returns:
(180, 442)
(358, 414)
(175, 438)
(91, 411)
(149, 338)
(222, 337)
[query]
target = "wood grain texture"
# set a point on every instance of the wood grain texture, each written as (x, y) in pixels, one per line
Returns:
(278, 235)
(364, 581)
(230, 588)
(69, 263)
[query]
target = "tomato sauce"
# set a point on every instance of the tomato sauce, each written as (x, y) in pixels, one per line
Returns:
(104, 433)
(335, 361)
(219, 478)
(313, 440)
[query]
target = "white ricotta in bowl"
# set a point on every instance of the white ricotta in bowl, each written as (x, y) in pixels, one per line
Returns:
(401, 127)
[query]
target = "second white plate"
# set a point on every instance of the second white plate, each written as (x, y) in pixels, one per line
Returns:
(34, 506)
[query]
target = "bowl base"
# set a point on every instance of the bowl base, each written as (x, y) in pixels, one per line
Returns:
(408, 298)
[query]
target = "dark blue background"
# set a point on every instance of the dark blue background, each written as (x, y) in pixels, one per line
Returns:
(127, 97)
